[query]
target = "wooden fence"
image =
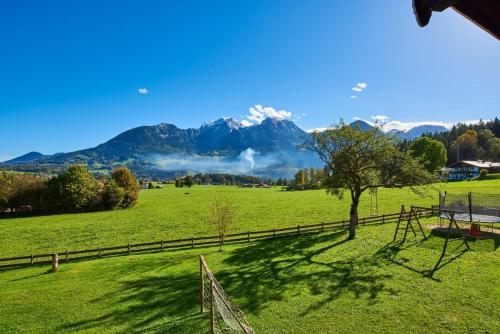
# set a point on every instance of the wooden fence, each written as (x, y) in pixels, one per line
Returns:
(193, 241)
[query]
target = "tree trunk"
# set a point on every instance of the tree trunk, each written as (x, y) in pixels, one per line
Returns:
(353, 216)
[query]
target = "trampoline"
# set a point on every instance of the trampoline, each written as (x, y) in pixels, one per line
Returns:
(470, 208)
(465, 217)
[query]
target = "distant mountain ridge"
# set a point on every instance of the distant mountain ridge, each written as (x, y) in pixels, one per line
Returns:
(412, 133)
(271, 148)
(224, 136)
(28, 157)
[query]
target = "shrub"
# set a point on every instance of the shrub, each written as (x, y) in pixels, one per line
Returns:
(483, 173)
(20, 191)
(5, 190)
(113, 195)
(179, 183)
(127, 181)
(74, 191)
(188, 181)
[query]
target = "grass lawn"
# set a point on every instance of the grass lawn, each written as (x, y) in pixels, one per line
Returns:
(309, 284)
(169, 213)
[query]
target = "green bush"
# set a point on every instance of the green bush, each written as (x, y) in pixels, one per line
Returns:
(127, 181)
(483, 173)
(179, 183)
(76, 190)
(189, 181)
(113, 195)
(21, 192)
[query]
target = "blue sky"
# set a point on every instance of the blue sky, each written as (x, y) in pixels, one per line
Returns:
(70, 71)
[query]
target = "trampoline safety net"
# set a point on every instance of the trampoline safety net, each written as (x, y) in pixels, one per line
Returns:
(474, 206)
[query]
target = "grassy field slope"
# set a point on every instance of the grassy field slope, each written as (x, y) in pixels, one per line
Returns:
(309, 284)
(170, 213)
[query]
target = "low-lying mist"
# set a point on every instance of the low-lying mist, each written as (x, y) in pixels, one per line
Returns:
(247, 162)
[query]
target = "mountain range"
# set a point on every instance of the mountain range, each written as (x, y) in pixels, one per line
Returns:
(417, 131)
(271, 148)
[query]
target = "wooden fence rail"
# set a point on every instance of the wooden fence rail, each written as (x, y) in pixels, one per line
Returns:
(197, 241)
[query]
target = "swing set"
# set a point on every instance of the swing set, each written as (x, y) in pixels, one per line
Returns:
(407, 220)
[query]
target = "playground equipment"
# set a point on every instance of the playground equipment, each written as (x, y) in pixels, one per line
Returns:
(417, 211)
(405, 222)
(452, 209)
(470, 207)
(373, 201)
(450, 216)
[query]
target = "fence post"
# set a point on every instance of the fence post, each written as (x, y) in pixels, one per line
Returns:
(99, 252)
(32, 258)
(383, 218)
(55, 262)
(248, 236)
(192, 242)
(298, 229)
(67, 255)
(322, 227)
(128, 248)
(161, 245)
(212, 287)
(202, 291)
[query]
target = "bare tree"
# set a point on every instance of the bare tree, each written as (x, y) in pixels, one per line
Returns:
(220, 217)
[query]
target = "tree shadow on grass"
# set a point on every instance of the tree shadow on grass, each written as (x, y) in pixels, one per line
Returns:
(392, 250)
(150, 304)
(275, 270)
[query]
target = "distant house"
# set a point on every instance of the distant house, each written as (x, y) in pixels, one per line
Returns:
(467, 169)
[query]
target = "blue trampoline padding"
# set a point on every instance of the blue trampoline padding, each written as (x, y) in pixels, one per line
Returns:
(465, 217)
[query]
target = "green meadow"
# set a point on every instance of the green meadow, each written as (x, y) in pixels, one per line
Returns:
(170, 213)
(308, 284)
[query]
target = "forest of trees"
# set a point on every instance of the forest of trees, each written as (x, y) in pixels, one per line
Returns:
(75, 190)
(306, 179)
(479, 141)
(225, 179)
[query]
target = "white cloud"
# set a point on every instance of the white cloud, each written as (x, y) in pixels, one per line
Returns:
(405, 126)
(259, 113)
(387, 125)
(354, 97)
(317, 130)
(245, 123)
(143, 91)
(380, 119)
(360, 86)
(472, 121)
